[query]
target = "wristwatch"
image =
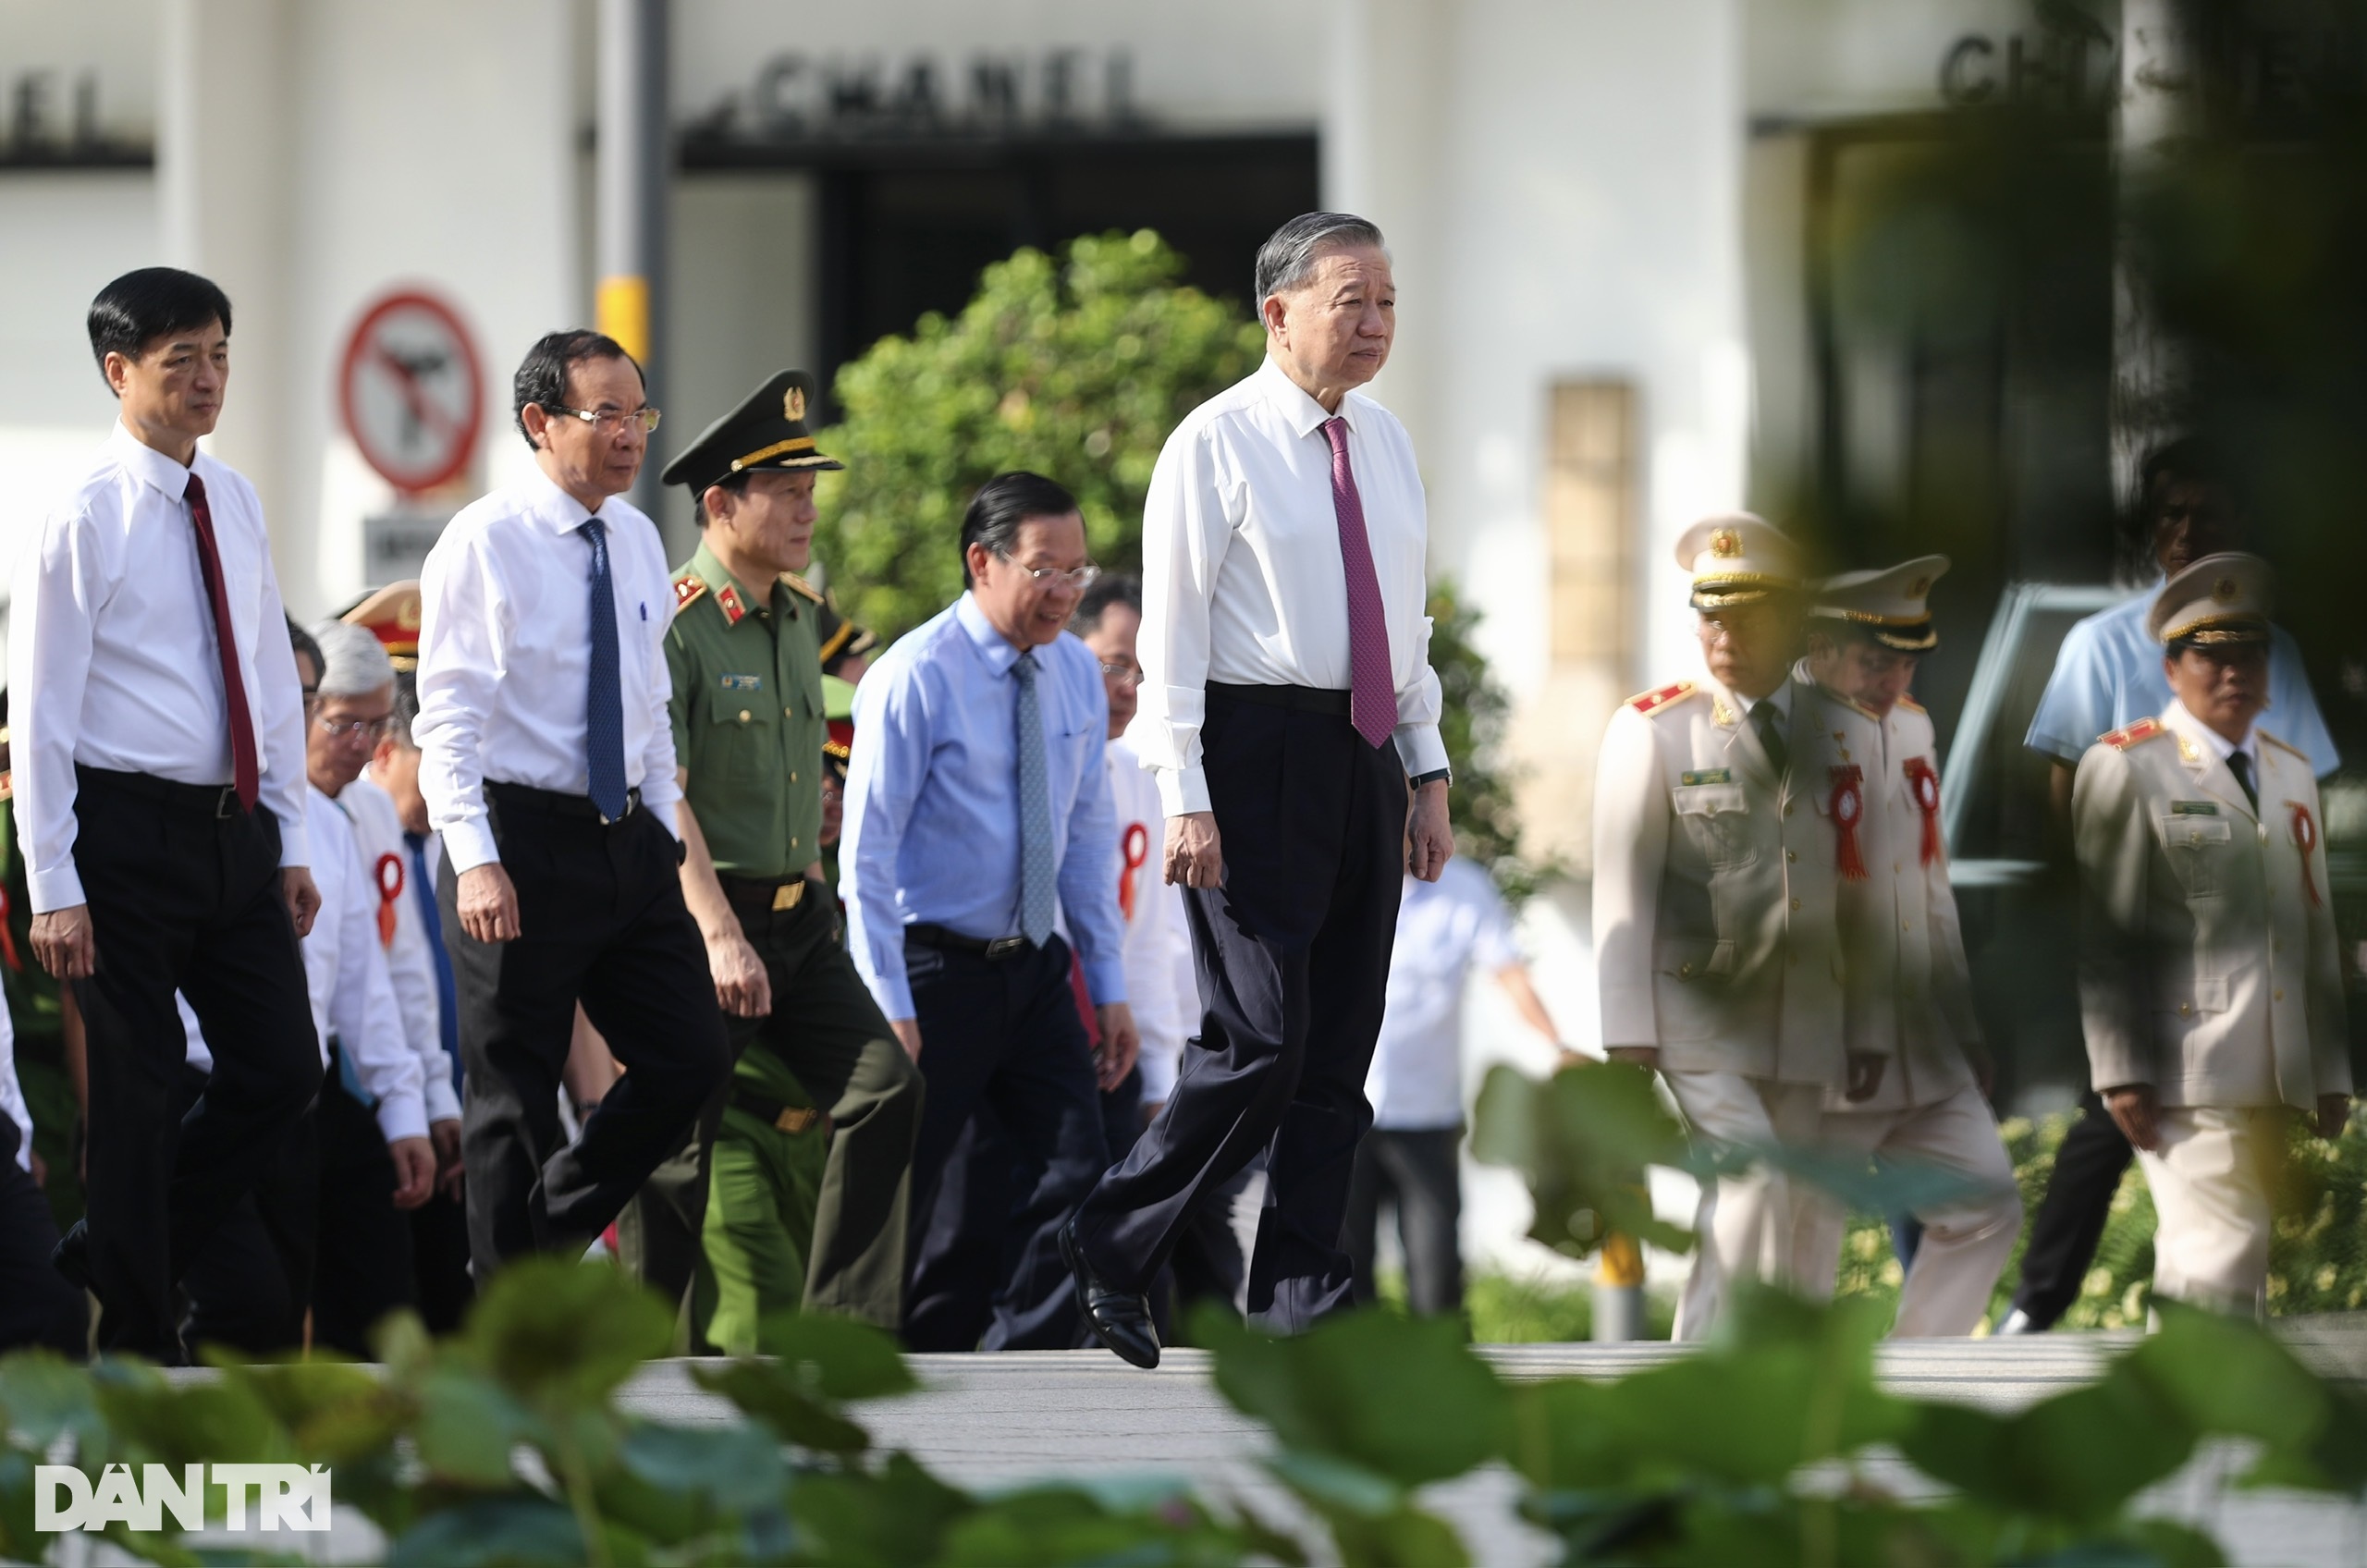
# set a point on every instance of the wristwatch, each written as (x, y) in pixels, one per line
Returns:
(1436, 776)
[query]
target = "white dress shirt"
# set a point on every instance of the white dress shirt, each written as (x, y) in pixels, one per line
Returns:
(505, 645)
(1156, 951)
(345, 971)
(378, 834)
(1445, 929)
(1242, 582)
(112, 656)
(2220, 745)
(12, 1094)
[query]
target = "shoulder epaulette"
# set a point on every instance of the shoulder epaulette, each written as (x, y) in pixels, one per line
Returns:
(687, 588)
(2281, 742)
(2143, 730)
(1910, 705)
(1652, 702)
(799, 585)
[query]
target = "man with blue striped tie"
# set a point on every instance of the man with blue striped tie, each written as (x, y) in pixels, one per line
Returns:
(977, 810)
(547, 763)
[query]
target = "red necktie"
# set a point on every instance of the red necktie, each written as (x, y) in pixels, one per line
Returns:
(234, 690)
(1372, 685)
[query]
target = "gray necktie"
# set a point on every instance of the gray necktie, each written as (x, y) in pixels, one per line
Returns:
(1768, 719)
(2240, 765)
(1037, 893)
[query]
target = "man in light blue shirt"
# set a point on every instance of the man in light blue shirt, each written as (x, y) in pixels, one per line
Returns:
(2107, 676)
(978, 813)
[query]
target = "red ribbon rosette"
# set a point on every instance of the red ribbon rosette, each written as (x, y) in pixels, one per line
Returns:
(388, 892)
(8, 938)
(1848, 807)
(2305, 838)
(1136, 840)
(1926, 785)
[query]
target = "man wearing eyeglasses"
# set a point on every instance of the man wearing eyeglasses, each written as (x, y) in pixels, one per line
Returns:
(547, 763)
(977, 813)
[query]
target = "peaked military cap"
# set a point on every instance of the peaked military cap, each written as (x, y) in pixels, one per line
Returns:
(767, 431)
(2223, 599)
(1888, 605)
(392, 614)
(1738, 559)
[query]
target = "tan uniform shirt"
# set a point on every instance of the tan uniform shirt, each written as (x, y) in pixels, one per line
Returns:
(1713, 890)
(1908, 994)
(2208, 966)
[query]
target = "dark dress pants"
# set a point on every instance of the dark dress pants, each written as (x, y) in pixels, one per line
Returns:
(181, 898)
(1004, 1034)
(824, 1026)
(2089, 1165)
(1293, 959)
(439, 1251)
(602, 921)
(38, 1308)
(247, 1289)
(362, 1266)
(1418, 1171)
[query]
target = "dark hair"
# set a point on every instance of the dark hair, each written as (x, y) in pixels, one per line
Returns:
(2190, 458)
(1289, 255)
(542, 374)
(406, 709)
(139, 307)
(302, 640)
(1109, 588)
(1003, 503)
(735, 483)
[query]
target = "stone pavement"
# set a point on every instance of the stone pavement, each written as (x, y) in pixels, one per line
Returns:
(1003, 1420)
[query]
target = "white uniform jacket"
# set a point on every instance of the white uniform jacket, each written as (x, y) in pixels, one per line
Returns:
(2207, 965)
(1908, 992)
(1713, 890)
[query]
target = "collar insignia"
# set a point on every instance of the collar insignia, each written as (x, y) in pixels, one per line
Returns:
(727, 599)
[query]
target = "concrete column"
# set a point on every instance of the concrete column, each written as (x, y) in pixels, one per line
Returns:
(636, 167)
(2158, 104)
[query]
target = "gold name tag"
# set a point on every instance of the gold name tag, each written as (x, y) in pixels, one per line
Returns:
(789, 895)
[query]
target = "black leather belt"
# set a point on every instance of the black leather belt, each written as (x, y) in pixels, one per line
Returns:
(994, 949)
(1297, 699)
(217, 801)
(781, 1117)
(551, 802)
(750, 897)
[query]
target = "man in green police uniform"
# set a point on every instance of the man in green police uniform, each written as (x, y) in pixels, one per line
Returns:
(748, 730)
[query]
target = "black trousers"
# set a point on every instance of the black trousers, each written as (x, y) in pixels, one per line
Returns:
(1293, 959)
(2089, 1165)
(1004, 1034)
(439, 1252)
(1418, 1173)
(37, 1306)
(825, 1027)
(248, 1288)
(602, 921)
(181, 898)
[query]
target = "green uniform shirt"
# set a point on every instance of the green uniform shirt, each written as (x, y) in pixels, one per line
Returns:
(748, 720)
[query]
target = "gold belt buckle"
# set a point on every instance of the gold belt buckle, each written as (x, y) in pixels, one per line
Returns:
(789, 895)
(795, 1119)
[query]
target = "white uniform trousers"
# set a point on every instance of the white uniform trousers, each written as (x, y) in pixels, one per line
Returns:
(1965, 1243)
(2213, 1179)
(1743, 1229)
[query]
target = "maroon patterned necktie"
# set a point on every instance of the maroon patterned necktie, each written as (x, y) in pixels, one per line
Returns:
(234, 689)
(1372, 688)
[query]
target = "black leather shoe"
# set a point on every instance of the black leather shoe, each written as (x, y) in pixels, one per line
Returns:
(71, 1255)
(1121, 1318)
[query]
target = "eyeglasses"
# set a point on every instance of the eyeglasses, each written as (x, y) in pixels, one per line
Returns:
(355, 728)
(1079, 577)
(1122, 672)
(610, 420)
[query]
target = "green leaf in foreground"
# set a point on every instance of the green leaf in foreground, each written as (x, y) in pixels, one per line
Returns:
(1583, 1139)
(558, 1334)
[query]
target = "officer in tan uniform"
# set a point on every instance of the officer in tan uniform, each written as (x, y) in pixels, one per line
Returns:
(1715, 928)
(2208, 985)
(1908, 996)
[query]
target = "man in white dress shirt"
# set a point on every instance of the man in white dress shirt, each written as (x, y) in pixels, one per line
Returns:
(1290, 715)
(159, 745)
(548, 761)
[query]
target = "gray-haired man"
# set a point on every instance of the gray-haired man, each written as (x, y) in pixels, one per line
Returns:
(1288, 713)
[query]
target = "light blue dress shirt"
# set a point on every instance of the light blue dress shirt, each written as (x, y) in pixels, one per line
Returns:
(2109, 674)
(931, 831)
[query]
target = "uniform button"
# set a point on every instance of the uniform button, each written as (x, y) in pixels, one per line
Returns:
(793, 776)
(792, 843)
(1796, 903)
(2192, 837)
(1905, 925)
(1684, 971)
(2280, 994)
(2263, 832)
(2184, 1008)
(744, 716)
(789, 713)
(1788, 810)
(1791, 854)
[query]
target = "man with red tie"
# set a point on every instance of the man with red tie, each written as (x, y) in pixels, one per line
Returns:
(1289, 717)
(159, 742)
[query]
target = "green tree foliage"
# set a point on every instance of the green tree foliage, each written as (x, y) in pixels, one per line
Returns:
(1076, 368)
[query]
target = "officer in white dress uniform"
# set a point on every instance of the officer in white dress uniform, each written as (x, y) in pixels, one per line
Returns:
(1715, 866)
(1907, 998)
(2209, 985)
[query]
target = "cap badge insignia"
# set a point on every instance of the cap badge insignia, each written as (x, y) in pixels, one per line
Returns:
(793, 403)
(1725, 543)
(2224, 590)
(1919, 587)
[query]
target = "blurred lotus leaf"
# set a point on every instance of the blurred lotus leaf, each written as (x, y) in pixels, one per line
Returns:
(1583, 1138)
(558, 1334)
(514, 1532)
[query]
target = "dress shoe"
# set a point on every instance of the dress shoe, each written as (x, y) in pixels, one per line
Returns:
(2017, 1322)
(71, 1255)
(1121, 1318)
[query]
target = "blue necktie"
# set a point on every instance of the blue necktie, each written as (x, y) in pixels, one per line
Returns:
(431, 921)
(1038, 895)
(604, 704)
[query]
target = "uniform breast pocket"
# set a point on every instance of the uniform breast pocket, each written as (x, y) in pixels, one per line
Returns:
(1717, 818)
(744, 730)
(2199, 848)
